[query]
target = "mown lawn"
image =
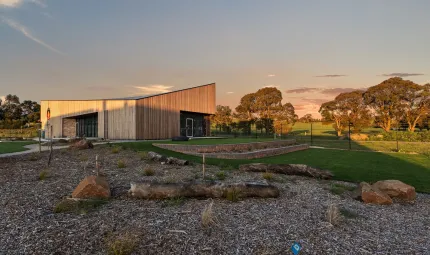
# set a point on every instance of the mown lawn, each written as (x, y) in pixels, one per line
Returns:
(8, 147)
(353, 166)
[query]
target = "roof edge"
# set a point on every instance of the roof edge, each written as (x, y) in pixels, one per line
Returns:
(137, 97)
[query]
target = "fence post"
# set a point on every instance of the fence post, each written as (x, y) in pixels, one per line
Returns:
(311, 135)
(349, 134)
(281, 131)
(397, 139)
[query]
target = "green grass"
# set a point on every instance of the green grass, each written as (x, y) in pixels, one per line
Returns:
(9, 147)
(352, 166)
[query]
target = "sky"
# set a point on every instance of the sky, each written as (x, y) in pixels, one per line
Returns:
(311, 50)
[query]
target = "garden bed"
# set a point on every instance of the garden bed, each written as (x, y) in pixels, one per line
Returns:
(250, 226)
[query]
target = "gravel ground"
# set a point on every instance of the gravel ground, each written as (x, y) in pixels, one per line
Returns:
(252, 226)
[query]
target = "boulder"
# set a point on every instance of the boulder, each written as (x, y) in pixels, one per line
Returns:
(92, 187)
(82, 145)
(396, 189)
(373, 195)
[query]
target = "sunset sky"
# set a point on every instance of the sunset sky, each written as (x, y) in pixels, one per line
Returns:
(310, 50)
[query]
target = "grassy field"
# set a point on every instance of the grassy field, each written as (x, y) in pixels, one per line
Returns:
(354, 166)
(8, 147)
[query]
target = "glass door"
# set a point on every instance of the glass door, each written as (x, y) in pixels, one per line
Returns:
(190, 127)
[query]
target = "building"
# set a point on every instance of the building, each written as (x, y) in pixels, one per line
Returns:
(183, 112)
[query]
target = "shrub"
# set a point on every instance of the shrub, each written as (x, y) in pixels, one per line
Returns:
(123, 244)
(333, 215)
(121, 163)
(268, 176)
(143, 155)
(422, 136)
(339, 189)
(221, 175)
(33, 157)
(115, 149)
(44, 174)
(174, 201)
(208, 217)
(78, 206)
(233, 194)
(148, 172)
(348, 214)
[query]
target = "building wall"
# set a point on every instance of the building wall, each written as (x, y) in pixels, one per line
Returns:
(116, 118)
(69, 127)
(158, 117)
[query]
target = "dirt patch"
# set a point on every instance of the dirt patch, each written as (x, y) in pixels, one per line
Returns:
(250, 226)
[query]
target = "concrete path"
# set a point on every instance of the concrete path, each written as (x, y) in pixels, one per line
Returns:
(35, 148)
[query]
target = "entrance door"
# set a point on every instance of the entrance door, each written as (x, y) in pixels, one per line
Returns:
(190, 127)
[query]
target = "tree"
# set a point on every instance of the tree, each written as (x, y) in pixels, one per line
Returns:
(284, 118)
(222, 117)
(386, 101)
(358, 114)
(306, 118)
(333, 111)
(268, 104)
(246, 110)
(415, 104)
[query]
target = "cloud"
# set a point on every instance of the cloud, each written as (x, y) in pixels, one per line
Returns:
(20, 28)
(401, 74)
(337, 91)
(271, 75)
(153, 89)
(230, 92)
(10, 3)
(100, 88)
(271, 86)
(325, 91)
(39, 2)
(2, 98)
(331, 75)
(314, 101)
(302, 90)
(47, 15)
(17, 3)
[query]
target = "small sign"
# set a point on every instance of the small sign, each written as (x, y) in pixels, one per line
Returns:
(296, 248)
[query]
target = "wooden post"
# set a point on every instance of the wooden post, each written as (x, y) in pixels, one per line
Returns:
(204, 166)
(40, 139)
(97, 164)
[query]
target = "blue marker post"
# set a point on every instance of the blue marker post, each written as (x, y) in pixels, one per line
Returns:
(296, 248)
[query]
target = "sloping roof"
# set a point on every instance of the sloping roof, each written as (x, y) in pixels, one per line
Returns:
(134, 97)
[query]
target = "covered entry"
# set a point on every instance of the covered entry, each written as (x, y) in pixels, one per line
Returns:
(87, 125)
(194, 124)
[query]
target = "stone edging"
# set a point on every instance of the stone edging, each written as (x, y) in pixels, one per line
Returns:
(220, 148)
(245, 155)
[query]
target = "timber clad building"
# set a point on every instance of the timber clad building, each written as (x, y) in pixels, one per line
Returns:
(183, 112)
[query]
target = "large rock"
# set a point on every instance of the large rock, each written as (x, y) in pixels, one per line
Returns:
(82, 144)
(92, 187)
(396, 189)
(373, 195)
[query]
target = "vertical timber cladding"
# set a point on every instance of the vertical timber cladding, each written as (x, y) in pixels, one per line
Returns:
(158, 117)
(117, 117)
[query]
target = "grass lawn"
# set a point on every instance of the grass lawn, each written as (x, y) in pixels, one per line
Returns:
(354, 166)
(8, 147)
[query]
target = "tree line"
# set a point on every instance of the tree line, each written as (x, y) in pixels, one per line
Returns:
(264, 109)
(386, 105)
(16, 114)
